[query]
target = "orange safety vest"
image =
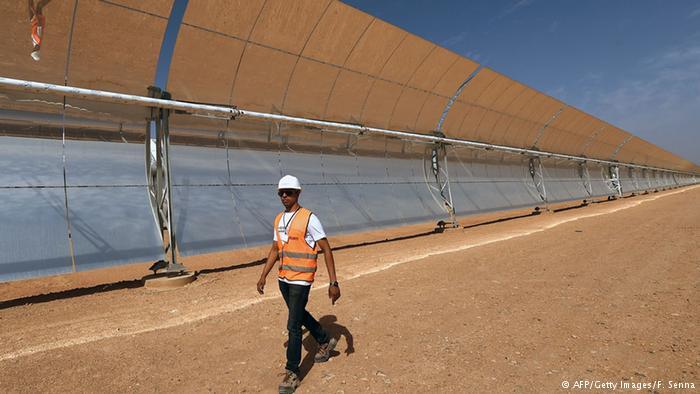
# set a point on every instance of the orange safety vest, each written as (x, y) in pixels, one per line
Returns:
(297, 258)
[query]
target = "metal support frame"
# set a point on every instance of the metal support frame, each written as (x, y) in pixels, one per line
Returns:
(544, 127)
(438, 153)
(537, 174)
(159, 182)
(454, 97)
(613, 180)
(655, 180)
(645, 175)
(585, 176)
(438, 180)
(620, 146)
(635, 180)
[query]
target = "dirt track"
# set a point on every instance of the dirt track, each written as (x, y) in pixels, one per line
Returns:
(611, 297)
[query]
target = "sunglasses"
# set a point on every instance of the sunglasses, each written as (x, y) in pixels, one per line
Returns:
(289, 192)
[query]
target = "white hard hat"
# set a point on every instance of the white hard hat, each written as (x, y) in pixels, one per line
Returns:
(36, 56)
(289, 182)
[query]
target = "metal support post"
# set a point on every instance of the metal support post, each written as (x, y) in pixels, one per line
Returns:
(438, 180)
(613, 180)
(585, 176)
(159, 182)
(645, 174)
(537, 176)
(635, 180)
(656, 182)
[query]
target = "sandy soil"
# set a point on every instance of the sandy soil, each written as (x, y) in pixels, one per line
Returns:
(608, 292)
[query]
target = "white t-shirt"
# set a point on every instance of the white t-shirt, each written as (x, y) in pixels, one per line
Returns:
(314, 233)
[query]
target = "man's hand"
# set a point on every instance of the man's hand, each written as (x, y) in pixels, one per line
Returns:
(261, 285)
(333, 293)
(271, 258)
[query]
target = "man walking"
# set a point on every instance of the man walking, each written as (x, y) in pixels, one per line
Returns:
(298, 235)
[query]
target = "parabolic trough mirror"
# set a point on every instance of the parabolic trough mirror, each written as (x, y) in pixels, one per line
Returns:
(344, 101)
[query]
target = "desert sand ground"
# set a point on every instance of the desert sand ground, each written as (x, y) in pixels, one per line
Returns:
(607, 292)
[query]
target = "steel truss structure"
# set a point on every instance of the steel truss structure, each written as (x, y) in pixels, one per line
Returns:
(437, 178)
(159, 180)
(613, 180)
(534, 165)
(585, 176)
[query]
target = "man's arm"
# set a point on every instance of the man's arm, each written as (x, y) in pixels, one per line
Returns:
(333, 291)
(271, 259)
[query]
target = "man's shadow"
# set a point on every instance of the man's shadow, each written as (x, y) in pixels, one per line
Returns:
(334, 330)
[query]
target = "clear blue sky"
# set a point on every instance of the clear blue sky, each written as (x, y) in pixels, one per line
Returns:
(634, 63)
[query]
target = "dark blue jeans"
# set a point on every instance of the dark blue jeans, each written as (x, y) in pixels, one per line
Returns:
(296, 297)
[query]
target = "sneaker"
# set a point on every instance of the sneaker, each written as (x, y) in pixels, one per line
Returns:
(324, 351)
(290, 383)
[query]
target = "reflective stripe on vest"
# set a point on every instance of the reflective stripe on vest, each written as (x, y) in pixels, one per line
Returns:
(296, 255)
(297, 269)
(297, 258)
